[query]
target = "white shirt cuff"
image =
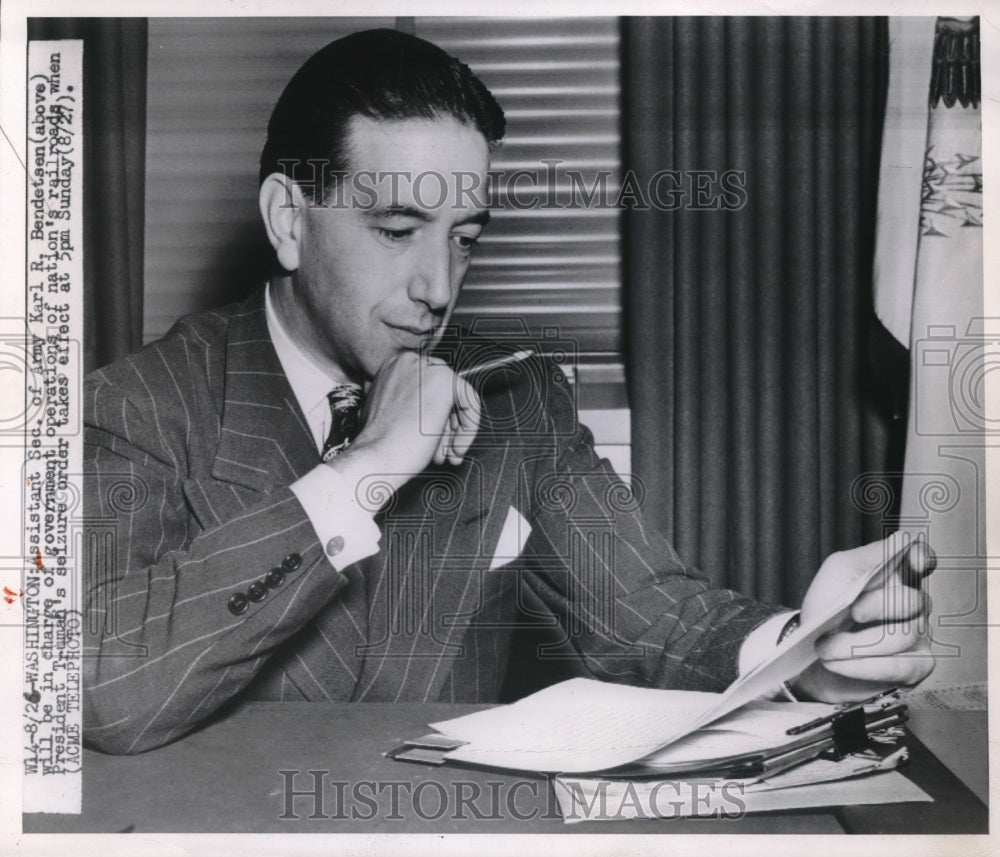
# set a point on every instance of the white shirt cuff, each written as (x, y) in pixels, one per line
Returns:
(345, 529)
(761, 641)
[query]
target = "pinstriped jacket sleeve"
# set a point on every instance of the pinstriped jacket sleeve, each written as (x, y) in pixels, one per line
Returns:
(163, 652)
(635, 613)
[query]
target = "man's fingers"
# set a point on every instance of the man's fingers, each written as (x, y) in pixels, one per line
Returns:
(909, 566)
(449, 408)
(878, 641)
(921, 561)
(468, 405)
(908, 668)
(867, 557)
(443, 451)
(467, 413)
(890, 647)
(891, 603)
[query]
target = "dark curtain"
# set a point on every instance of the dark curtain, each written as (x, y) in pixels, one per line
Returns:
(750, 331)
(114, 124)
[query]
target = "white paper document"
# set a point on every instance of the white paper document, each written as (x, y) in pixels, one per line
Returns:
(578, 725)
(586, 725)
(757, 727)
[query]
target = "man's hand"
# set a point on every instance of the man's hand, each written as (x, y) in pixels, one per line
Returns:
(417, 410)
(884, 641)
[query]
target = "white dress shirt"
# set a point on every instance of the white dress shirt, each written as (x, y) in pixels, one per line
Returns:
(346, 530)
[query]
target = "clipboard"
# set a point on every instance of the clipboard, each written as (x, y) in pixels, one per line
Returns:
(845, 732)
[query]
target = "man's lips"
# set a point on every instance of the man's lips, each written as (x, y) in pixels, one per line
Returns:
(408, 332)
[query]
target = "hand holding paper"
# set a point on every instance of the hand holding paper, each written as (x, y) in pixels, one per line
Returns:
(584, 725)
(883, 640)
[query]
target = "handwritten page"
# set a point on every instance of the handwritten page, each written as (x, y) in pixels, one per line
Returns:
(586, 725)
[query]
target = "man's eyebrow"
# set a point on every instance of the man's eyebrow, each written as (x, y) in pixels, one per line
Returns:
(480, 217)
(398, 211)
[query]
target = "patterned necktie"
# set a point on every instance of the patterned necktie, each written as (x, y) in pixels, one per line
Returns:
(345, 408)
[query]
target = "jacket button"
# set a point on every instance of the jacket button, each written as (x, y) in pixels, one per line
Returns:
(238, 604)
(257, 591)
(335, 546)
(274, 578)
(292, 562)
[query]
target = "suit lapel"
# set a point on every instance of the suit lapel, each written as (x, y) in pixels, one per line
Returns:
(265, 445)
(264, 441)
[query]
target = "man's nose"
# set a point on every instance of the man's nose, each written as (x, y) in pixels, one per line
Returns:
(431, 281)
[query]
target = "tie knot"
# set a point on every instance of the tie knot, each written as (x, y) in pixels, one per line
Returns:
(345, 396)
(345, 411)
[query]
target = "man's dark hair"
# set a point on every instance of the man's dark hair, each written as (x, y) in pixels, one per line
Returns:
(377, 74)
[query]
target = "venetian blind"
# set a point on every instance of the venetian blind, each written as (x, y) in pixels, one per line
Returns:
(556, 266)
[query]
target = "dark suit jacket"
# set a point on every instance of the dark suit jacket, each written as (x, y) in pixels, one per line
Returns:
(190, 447)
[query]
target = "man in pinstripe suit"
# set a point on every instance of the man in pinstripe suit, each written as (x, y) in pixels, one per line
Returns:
(240, 565)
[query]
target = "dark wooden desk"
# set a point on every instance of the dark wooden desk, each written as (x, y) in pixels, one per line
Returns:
(228, 778)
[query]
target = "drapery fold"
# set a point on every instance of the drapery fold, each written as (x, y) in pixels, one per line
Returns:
(754, 405)
(114, 123)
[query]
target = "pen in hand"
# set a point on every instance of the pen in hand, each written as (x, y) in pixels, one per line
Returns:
(489, 365)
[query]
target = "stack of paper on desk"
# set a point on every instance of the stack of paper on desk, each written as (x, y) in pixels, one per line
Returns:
(641, 741)
(744, 761)
(584, 725)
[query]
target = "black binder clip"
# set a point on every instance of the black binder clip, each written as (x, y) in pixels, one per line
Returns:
(850, 733)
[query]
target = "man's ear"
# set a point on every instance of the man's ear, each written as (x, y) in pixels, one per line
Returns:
(281, 207)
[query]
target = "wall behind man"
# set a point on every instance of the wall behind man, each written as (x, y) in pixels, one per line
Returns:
(545, 262)
(210, 89)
